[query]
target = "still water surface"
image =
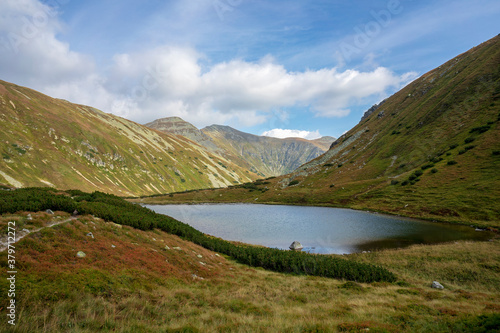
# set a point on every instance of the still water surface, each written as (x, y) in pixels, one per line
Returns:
(319, 229)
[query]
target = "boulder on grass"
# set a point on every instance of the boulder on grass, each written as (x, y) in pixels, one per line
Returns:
(437, 285)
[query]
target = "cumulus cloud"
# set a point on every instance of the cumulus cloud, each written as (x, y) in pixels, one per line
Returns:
(29, 49)
(290, 133)
(167, 80)
(171, 80)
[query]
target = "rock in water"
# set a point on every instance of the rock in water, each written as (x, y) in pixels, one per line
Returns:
(437, 285)
(296, 246)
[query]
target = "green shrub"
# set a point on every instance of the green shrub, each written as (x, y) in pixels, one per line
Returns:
(480, 129)
(452, 162)
(436, 159)
(394, 182)
(469, 140)
(293, 182)
(480, 324)
(413, 181)
(351, 286)
(434, 170)
(427, 166)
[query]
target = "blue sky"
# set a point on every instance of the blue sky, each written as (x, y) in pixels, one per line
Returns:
(284, 68)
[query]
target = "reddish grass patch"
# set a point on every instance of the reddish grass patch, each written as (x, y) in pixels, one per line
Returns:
(114, 250)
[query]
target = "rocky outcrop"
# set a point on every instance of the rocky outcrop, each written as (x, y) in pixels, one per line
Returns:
(371, 110)
(436, 285)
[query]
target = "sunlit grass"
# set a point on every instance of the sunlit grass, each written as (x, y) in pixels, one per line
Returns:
(139, 286)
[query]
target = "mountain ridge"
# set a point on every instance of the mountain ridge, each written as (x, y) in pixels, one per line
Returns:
(266, 156)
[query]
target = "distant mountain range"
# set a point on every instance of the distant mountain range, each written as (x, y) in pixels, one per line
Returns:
(263, 155)
(432, 150)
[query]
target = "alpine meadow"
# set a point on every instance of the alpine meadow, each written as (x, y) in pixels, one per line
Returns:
(109, 111)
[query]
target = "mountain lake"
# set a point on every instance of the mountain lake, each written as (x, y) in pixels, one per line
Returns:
(320, 230)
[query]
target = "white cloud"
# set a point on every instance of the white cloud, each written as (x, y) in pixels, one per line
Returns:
(289, 133)
(166, 81)
(29, 49)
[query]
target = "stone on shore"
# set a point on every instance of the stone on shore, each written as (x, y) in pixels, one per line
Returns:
(296, 246)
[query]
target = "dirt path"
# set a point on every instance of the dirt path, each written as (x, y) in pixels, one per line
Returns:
(20, 234)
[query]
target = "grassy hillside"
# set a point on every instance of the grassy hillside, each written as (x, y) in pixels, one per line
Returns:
(51, 142)
(135, 280)
(432, 151)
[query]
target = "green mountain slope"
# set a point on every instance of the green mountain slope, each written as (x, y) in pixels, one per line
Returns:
(51, 142)
(263, 155)
(432, 150)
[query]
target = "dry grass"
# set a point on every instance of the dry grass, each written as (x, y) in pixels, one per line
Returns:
(139, 286)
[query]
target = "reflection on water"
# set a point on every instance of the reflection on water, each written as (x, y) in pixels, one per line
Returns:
(319, 229)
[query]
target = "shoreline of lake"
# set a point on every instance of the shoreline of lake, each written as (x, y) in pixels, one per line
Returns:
(326, 245)
(444, 220)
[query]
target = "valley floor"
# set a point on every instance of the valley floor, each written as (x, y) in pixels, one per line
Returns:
(151, 281)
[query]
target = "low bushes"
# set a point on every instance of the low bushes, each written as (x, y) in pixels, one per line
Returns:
(113, 208)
